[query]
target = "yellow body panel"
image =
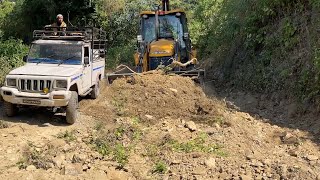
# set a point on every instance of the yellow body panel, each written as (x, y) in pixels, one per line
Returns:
(162, 48)
(136, 58)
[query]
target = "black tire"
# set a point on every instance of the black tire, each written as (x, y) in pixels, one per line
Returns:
(10, 109)
(72, 108)
(96, 90)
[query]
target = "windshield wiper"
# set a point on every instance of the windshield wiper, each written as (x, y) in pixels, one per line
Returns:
(45, 58)
(61, 62)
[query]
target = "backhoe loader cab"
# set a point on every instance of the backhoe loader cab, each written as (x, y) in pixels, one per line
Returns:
(164, 37)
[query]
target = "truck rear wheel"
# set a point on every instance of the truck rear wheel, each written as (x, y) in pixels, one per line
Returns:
(96, 90)
(72, 108)
(10, 109)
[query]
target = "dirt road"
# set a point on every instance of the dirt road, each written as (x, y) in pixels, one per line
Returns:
(156, 127)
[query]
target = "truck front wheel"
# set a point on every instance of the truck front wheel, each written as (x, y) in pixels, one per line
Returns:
(10, 109)
(72, 108)
(96, 90)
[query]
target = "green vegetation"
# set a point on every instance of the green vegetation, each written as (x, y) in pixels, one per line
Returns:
(111, 143)
(262, 46)
(37, 157)
(68, 136)
(197, 145)
(160, 167)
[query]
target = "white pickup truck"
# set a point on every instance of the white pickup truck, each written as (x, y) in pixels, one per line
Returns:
(58, 70)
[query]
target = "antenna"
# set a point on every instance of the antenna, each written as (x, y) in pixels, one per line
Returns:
(69, 19)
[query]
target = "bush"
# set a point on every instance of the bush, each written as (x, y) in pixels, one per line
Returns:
(120, 55)
(11, 55)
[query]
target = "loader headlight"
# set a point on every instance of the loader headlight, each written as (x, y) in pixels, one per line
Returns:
(61, 84)
(11, 82)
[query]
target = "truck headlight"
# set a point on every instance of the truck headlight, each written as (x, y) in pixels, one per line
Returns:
(11, 82)
(61, 84)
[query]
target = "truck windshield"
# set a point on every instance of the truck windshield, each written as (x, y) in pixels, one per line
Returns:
(55, 54)
(169, 27)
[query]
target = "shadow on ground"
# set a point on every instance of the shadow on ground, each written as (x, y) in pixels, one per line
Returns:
(274, 109)
(35, 116)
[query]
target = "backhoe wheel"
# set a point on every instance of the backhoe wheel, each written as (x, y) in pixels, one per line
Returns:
(96, 90)
(72, 108)
(10, 109)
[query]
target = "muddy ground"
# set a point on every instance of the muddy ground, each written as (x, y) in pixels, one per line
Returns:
(156, 126)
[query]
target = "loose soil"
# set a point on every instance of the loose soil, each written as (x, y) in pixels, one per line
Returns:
(155, 126)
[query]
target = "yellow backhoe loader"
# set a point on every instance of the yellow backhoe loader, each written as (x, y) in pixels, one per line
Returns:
(163, 42)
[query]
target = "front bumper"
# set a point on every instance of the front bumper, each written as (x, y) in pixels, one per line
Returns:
(14, 96)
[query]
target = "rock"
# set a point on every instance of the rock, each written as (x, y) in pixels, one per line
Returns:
(149, 117)
(293, 153)
(191, 126)
(47, 124)
(210, 163)
(85, 167)
(312, 158)
(266, 162)
(31, 168)
(59, 161)
(79, 139)
(230, 105)
(257, 164)
(77, 158)
(245, 177)
(173, 90)
(66, 148)
(199, 171)
(173, 162)
(210, 131)
(57, 143)
(13, 169)
(318, 178)
(289, 138)
(4, 135)
(223, 175)
(196, 155)
(72, 169)
(250, 157)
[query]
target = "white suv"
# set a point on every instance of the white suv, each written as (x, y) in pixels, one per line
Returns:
(58, 69)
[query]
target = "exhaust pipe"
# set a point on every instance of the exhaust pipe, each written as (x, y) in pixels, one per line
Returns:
(165, 5)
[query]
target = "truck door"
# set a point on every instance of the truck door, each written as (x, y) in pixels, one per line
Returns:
(87, 69)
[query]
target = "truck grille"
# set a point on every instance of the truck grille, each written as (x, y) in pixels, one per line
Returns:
(156, 61)
(34, 85)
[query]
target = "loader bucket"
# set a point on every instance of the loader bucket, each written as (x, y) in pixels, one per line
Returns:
(121, 72)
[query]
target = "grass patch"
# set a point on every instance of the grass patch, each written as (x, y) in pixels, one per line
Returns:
(39, 158)
(152, 150)
(4, 124)
(160, 167)
(121, 155)
(197, 145)
(110, 143)
(99, 126)
(119, 132)
(102, 147)
(68, 136)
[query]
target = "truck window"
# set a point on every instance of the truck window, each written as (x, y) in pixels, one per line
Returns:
(86, 52)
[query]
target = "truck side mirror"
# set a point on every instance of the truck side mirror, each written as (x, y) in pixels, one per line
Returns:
(25, 58)
(86, 60)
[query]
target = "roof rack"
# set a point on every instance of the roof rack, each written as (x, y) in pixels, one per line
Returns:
(70, 33)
